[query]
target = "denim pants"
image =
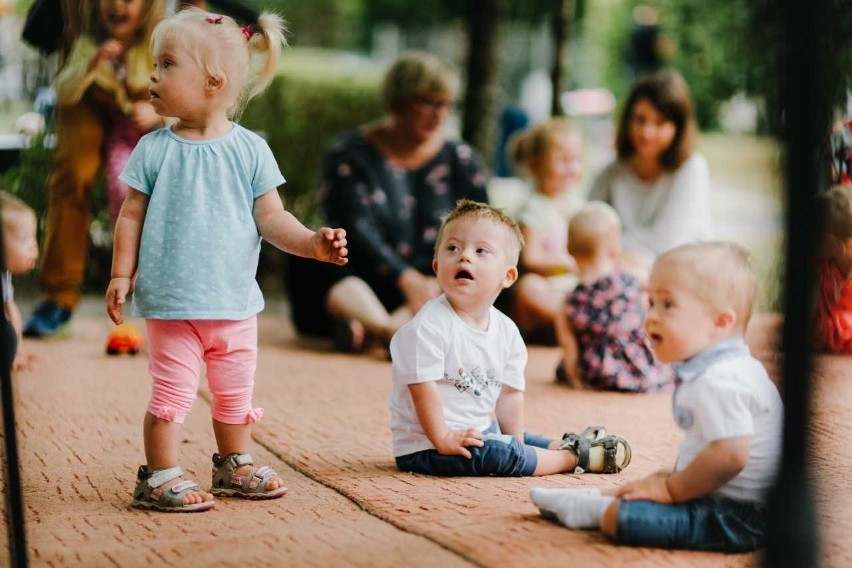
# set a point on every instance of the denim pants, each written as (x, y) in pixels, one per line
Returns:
(501, 456)
(706, 523)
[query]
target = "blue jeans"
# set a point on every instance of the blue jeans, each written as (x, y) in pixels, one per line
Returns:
(706, 523)
(501, 456)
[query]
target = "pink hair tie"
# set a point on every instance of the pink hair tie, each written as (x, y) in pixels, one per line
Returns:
(215, 18)
(247, 32)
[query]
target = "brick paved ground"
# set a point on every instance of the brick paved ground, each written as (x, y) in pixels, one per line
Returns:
(326, 431)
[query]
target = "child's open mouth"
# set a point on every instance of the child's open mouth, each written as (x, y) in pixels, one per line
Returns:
(464, 275)
(153, 94)
(116, 19)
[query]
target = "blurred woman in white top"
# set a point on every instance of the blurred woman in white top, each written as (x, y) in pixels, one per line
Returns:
(658, 184)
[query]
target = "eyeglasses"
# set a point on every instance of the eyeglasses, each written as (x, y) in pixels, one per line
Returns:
(435, 105)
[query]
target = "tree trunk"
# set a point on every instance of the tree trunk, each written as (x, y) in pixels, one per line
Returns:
(481, 97)
(563, 12)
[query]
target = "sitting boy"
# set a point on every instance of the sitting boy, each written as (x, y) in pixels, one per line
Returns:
(460, 363)
(700, 302)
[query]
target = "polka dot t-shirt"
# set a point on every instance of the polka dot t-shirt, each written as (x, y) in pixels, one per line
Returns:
(200, 244)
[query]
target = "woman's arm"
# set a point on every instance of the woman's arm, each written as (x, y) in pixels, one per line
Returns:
(347, 197)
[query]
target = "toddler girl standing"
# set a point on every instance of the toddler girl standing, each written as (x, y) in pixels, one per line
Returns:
(551, 153)
(203, 194)
(600, 326)
(103, 111)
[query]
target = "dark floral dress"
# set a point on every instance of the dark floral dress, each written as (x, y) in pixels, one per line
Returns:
(392, 215)
(614, 353)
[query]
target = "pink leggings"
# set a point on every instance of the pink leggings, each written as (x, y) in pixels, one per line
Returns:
(177, 349)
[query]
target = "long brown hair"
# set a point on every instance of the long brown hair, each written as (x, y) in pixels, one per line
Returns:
(668, 92)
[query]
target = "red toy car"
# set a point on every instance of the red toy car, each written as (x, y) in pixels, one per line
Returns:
(124, 339)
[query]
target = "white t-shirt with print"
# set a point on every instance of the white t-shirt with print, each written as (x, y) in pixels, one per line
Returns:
(733, 398)
(434, 346)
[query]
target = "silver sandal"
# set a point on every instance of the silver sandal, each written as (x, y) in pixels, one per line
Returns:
(149, 496)
(227, 483)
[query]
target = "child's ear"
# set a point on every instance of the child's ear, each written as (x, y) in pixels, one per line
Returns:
(435, 266)
(215, 83)
(725, 320)
(511, 276)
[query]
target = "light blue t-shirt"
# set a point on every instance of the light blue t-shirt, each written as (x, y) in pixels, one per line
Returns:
(200, 244)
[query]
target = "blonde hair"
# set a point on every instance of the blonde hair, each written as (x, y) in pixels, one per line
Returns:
(220, 47)
(538, 140)
(721, 274)
(591, 228)
(12, 210)
(414, 74)
(836, 208)
(469, 209)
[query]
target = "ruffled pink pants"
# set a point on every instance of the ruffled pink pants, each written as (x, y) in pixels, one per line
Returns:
(177, 350)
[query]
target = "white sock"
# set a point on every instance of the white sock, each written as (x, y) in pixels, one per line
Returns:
(583, 511)
(550, 501)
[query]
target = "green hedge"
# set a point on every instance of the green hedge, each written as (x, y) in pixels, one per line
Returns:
(315, 97)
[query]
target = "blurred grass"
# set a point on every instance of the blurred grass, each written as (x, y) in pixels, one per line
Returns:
(749, 163)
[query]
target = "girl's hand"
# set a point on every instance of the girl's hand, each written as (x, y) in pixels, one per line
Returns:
(116, 295)
(110, 49)
(143, 116)
(329, 245)
(455, 442)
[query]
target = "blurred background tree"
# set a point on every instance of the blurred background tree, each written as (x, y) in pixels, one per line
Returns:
(510, 55)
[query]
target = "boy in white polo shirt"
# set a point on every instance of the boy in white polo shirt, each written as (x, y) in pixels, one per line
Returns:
(459, 364)
(700, 302)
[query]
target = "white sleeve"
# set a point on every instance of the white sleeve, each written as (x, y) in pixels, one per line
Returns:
(724, 411)
(684, 217)
(516, 360)
(418, 353)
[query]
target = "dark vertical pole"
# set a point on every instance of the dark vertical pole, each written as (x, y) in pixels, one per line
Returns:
(563, 13)
(792, 532)
(14, 500)
(484, 18)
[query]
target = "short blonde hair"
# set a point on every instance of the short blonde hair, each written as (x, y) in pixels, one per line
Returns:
(720, 273)
(469, 209)
(591, 227)
(415, 74)
(538, 140)
(221, 47)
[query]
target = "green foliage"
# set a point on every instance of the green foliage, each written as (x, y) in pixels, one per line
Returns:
(315, 98)
(327, 23)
